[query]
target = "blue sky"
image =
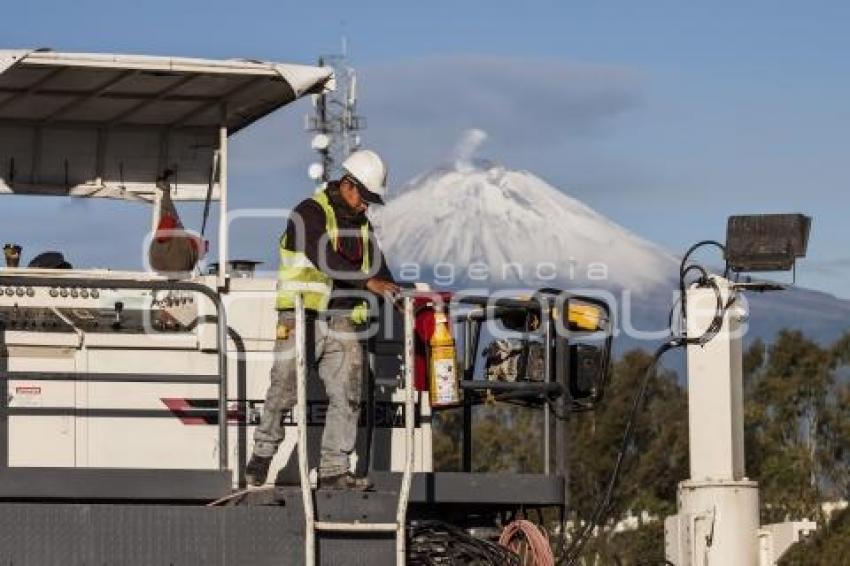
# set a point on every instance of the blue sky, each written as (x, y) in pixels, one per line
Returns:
(665, 116)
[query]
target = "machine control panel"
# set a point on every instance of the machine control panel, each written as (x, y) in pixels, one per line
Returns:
(10, 294)
(31, 319)
(90, 309)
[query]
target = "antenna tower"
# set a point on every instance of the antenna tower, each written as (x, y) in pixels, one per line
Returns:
(334, 121)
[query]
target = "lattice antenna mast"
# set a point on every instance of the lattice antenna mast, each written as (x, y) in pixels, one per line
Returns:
(335, 122)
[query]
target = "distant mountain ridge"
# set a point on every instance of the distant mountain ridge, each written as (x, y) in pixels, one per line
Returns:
(481, 225)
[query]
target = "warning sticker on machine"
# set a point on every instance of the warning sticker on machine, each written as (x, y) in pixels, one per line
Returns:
(446, 384)
(26, 396)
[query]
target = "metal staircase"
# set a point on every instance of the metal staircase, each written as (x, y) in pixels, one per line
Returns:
(312, 525)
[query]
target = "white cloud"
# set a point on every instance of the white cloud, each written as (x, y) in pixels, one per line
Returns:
(418, 108)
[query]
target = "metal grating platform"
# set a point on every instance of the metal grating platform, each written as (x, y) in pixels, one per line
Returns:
(263, 527)
(49, 534)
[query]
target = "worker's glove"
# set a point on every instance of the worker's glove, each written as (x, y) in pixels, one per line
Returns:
(284, 329)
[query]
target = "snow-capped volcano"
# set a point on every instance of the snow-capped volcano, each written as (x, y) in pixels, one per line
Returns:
(489, 225)
(479, 224)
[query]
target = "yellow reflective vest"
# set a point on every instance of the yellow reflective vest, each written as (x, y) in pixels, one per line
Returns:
(298, 274)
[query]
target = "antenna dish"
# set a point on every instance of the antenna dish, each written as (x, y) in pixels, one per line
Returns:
(321, 142)
(315, 171)
(352, 89)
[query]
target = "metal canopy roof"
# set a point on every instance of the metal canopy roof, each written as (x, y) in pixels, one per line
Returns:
(108, 125)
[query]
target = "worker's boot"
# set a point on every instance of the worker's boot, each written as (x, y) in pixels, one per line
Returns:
(257, 470)
(345, 481)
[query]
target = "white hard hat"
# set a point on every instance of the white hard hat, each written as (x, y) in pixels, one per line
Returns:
(370, 171)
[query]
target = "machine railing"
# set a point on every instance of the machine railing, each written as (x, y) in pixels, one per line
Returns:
(130, 284)
(553, 390)
(312, 525)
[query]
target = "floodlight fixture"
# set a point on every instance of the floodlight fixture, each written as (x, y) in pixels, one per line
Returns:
(766, 242)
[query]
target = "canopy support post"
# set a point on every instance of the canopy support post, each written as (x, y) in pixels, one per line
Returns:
(100, 156)
(222, 210)
(35, 165)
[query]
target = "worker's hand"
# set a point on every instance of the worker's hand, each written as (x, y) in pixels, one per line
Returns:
(383, 288)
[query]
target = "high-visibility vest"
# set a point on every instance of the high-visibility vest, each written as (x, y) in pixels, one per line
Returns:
(298, 274)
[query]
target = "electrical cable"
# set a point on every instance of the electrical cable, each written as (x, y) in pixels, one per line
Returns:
(695, 267)
(528, 541)
(676, 303)
(436, 543)
(683, 270)
(699, 245)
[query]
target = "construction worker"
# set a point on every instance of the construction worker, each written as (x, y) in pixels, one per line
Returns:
(328, 247)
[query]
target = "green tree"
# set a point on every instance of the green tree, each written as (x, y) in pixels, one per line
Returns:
(505, 438)
(789, 412)
(446, 443)
(830, 545)
(836, 424)
(797, 428)
(643, 546)
(508, 438)
(657, 458)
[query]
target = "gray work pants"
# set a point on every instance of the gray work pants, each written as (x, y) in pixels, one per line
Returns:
(338, 357)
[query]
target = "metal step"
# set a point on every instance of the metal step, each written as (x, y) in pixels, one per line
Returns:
(340, 506)
(356, 527)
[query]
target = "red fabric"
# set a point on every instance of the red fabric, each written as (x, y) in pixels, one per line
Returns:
(166, 223)
(166, 230)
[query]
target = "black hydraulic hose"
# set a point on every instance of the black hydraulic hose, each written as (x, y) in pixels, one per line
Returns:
(683, 270)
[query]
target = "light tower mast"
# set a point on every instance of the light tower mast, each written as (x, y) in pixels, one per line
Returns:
(335, 121)
(718, 519)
